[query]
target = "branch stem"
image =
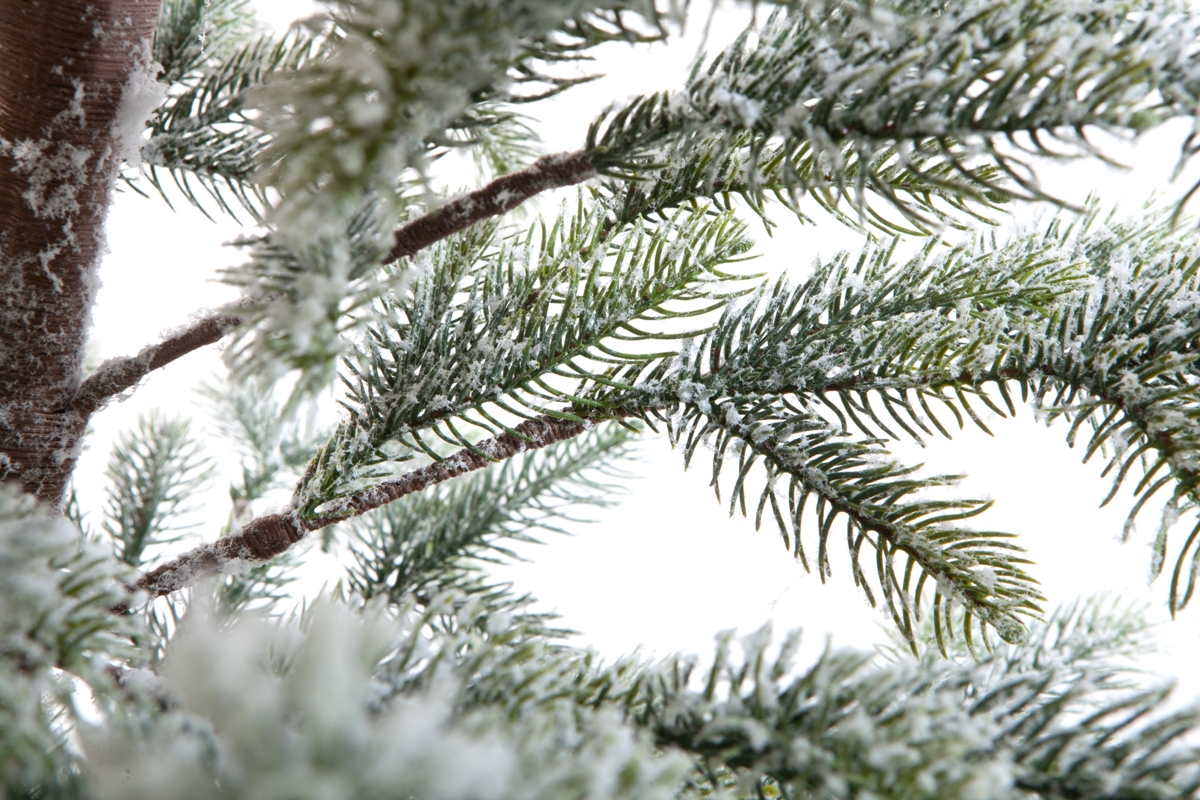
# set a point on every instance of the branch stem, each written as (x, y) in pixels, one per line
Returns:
(118, 374)
(265, 537)
(498, 197)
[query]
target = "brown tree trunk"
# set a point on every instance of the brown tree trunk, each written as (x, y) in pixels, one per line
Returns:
(63, 67)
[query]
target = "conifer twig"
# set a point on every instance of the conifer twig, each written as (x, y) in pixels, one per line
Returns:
(266, 537)
(118, 374)
(500, 196)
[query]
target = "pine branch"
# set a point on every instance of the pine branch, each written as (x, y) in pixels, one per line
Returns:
(843, 726)
(203, 134)
(927, 729)
(490, 334)
(118, 374)
(55, 589)
(394, 79)
(345, 266)
(866, 103)
(273, 447)
(732, 387)
(532, 434)
(193, 33)
(1097, 325)
(265, 537)
(1060, 725)
(1117, 355)
(927, 192)
(500, 196)
(751, 390)
(500, 140)
(884, 506)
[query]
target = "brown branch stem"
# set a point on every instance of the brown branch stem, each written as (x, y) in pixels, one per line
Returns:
(118, 374)
(498, 197)
(266, 537)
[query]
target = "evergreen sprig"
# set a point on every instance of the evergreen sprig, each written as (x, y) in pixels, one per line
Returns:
(548, 719)
(203, 135)
(154, 473)
(433, 541)
(1120, 358)
(274, 448)
(396, 78)
(501, 140)
(516, 330)
(400, 719)
(56, 592)
(784, 377)
(303, 298)
(928, 191)
(1054, 718)
(1115, 354)
(914, 729)
(859, 102)
(192, 33)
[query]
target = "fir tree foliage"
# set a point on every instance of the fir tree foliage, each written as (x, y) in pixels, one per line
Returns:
(404, 718)
(800, 106)
(933, 112)
(629, 307)
(1122, 362)
(908, 104)
(1041, 720)
(302, 302)
(753, 390)
(56, 590)
(427, 544)
(153, 472)
(398, 78)
(273, 449)
(440, 701)
(211, 56)
(510, 329)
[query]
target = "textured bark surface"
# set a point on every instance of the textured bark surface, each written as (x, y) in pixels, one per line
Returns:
(261, 539)
(63, 66)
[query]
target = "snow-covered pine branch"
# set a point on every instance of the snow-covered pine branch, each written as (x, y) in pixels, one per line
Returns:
(493, 370)
(928, 111)
(451, 696)
(265, 537)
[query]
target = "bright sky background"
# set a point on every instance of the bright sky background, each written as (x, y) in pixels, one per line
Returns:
(667, 569)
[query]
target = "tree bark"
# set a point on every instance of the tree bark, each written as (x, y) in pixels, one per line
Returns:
(63, 67)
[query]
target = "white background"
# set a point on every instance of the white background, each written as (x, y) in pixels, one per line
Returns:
(667, 569)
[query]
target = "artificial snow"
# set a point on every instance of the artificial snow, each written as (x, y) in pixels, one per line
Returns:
(141, 94)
